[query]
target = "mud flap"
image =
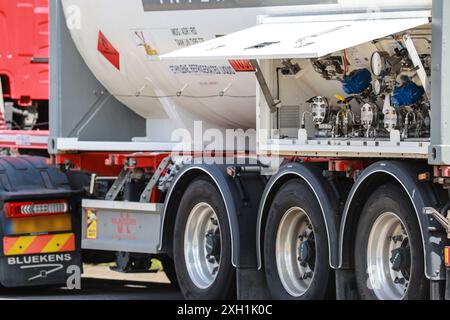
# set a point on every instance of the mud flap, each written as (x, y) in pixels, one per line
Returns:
(40, 270)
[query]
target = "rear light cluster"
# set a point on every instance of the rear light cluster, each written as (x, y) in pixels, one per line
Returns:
(36, 208)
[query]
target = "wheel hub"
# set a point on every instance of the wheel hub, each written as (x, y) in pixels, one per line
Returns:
(389, 257)
(212, 244)
(401, 259)
(307, 254)
(295, 252)
(202, 245)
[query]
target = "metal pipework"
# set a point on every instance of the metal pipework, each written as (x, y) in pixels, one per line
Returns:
(236, 172)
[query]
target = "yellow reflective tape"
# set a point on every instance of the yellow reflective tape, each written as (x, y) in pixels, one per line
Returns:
(447, 256)
(21, 245)
(56, 243)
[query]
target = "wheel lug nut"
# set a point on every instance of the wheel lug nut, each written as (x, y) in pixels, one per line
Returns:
(307, 275)
(397, 238)
(216, 269)
(401, 281)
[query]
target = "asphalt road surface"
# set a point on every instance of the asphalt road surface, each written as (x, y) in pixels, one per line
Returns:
(99, 283)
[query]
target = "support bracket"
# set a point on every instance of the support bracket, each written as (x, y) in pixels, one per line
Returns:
(271, 102)
(415, 58)
(118, 185)
(145, 197)
(440, 218)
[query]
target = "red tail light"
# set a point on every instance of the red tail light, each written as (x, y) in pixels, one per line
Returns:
(36, 208)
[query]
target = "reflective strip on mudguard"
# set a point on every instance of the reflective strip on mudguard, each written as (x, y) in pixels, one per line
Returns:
(447, 257)
(14, 246)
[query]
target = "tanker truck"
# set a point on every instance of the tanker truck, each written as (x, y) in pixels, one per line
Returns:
(294, 150)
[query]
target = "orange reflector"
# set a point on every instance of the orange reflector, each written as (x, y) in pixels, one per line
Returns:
(242, 65)
(14, 246)
(46, 224)
(447, 257)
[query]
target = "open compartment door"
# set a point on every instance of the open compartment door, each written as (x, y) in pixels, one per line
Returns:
(303, 36)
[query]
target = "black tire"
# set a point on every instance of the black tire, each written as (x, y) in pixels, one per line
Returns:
(390, 198)
(223, 287)
(169, 269)
(297, 194)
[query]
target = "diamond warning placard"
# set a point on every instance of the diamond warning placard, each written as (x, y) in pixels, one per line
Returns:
(108, 51)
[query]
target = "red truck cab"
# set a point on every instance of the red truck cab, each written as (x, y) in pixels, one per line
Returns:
(24, 73)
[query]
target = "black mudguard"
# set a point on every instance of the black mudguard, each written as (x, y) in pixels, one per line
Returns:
(25, 179)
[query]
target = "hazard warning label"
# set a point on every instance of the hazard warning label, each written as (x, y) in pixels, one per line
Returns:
(108, 51)
(91, 231)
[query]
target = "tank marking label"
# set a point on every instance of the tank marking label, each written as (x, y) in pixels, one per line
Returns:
(186, 36)
(202, 69)
(187, 42)
(169, 5)
(156, 41)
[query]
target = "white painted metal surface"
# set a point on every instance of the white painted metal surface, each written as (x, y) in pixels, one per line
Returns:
(303, 38)
(333, 148)
(24, 139)
(73, 144)
(149, 208)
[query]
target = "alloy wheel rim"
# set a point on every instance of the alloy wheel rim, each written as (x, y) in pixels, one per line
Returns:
(295, 252)
(202, 245)
(389, 258)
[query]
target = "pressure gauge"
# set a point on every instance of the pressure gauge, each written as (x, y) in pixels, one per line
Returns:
(378, 62)
(377, 87)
